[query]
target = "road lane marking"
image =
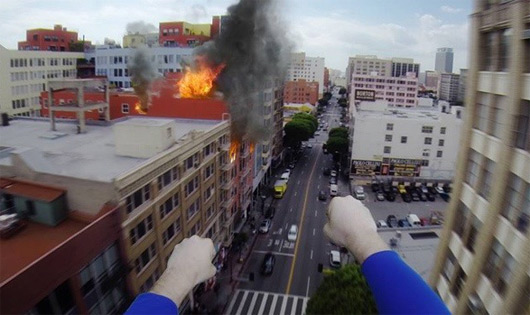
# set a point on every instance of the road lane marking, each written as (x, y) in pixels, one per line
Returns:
(273, 305)
(307, 290)
(263, 303)
(240, 309)
(275, 253)
(311, 256)
(281, 246)
(293, 307)
(253, 302)
(301, 225)
(295, 193)
(314, 232)
(286, 225)
(291, 210)
(284, 304)
(315, 213)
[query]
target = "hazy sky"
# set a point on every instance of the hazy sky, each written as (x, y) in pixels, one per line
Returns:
(331, 29)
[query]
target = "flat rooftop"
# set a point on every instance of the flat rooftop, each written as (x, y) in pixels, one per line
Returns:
(417, 250)
(419, 112)
(28, 245)
(90, 155)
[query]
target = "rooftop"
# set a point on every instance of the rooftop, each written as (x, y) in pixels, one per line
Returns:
(90, 155)
(418, 253)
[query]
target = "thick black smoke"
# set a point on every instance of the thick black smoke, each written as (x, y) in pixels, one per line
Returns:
(142, 72)
(255, 50)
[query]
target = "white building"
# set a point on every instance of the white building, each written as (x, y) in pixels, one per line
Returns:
(25, 73)
(444, 60)
(449, 86)
(399, 92)
(112, 61)
(307, 68)
(420, 143)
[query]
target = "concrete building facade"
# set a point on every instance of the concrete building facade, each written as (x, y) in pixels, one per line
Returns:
(483, 261)
(419, 143)
(302, 67)
(432, 79)
(448, 87)
(402, 66)
(24, 75)
(399, 92)
(462, 82)
(301, 92)
(444, 60)
(56, 39)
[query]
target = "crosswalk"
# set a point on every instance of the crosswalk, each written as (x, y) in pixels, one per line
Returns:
(263, 303)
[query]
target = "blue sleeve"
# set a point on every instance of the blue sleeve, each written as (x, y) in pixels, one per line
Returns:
(399, 289)
(151, 303)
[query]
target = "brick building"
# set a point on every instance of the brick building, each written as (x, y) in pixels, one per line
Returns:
(300, 92)
(56, 39)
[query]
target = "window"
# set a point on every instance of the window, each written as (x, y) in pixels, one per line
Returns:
(426, 129)
(209, 192)
(481, 112)
(209, 171)
(458, 283)
(426, 153)
(427, 140)
(462, 214)
(145, 258)
(170, 232)
(196, 229)
(389, 126)
(141, 229)
(504, 49)
(496, 116)
(439, 154)
(484, 188)
(125, 108)
(472, 233)
(210, 211)
(193, 209)
(169, 205)
(190, 162)
(449, 267)
(403, 139)
(387, 150)
(522, 131)
(137, 198)
(168, 177)
(191, 186)
(388, 138)
(499, 267)
(517, 203)
(209, 149)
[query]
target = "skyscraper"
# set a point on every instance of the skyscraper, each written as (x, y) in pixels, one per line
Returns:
(444, 60)
(483, 262)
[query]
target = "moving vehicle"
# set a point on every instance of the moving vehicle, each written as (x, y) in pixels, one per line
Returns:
(391, 221)
(293, 233)
(333, 173)
(280, 186)
(333, 180)
(285, 176)
(359, 193)
(334, 259)
(333, 190)
(265, 226)
(413, 220)
(267, 267)
(322, 195)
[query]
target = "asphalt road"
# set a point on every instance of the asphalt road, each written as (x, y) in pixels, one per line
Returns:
(295, 271)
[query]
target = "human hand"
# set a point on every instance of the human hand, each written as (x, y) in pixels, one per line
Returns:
(189, 264)
(351, 225)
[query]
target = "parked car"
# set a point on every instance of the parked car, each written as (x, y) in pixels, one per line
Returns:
(375, 186)
(380, 196)
(422, 197)
(381, 224)
(333, 190)
(322, 195)
(406, 197)
(445, 197)
(404, 223)
(270, 212)
(292, 165)
(414, 195)
(333, 180)
(424, 189)
(390, 196)
(447, 188)
(439, 189)
(265, 226)
(413, 220)
(359, 193)
(334, 259)
(430, 196)
(391, 221)
(309, 145)
(285, 176)
(401, 189)
(293, 233)
(267, 267)
(334, 173)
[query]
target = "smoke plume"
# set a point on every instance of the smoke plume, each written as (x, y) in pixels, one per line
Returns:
(255, 50)
(142, 73)
(140, 27)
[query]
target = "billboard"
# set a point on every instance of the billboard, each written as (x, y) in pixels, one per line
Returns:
(364, 95)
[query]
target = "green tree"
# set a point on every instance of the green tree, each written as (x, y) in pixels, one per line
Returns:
(342, 91)
(322, 102)
(343, 102)
(337, 144)
(327, 96)
(297, 130)
(345, 291)
(338, 132)
(307, 117)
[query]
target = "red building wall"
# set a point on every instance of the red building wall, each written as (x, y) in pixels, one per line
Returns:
(56, 39)
(300, 92)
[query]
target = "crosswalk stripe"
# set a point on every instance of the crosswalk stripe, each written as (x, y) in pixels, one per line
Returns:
(240, 309)
(279, 303)
(304, 305)
(273, 305)
(252, 303)
(233, 302)
(263, 303)
(284, 305)
(293, 308)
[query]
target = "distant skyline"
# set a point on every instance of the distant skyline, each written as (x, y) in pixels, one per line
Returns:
(386, 28)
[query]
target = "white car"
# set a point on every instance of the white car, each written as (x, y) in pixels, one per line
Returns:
(285, 176)
(439, 189)
(309, 146)
(293, 233)
(333, 190)
(334, 259)
(333, 173)
(265, 226)
(382, 224)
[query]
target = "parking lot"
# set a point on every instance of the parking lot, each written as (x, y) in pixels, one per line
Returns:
(381, 209)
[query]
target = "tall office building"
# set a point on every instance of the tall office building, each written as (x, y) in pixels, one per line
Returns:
(444, 60)
(483, 262)
(306, 68)
(448, 87)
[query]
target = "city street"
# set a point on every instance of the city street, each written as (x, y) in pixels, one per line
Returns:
(295, 275)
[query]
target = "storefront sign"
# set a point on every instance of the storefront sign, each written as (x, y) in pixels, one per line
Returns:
(365, 95)
(365, 167)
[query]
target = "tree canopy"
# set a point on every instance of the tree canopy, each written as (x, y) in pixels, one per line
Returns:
(308, 117)
(343, 292)
(337, 144)
(327, 96)
(338, 132)
(342, 91)
(343, 102)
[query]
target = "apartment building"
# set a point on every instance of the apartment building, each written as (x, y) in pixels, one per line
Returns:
(310, 69)
(449, 87)
(483, 261)
(172, 178)
(56, 260)
(56, 39)
(24, 74)
(301, 92)
(277, 141)
(111, 61)
(444, 60)
(398, 92)
(412, 144)
(365, 65)
(462, 82)
(402, 66)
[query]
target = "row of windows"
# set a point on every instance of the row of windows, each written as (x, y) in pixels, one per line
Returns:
(388, 81)
(169, 205)
(480, 175)
(145, 258)
(172, 230)
(428, 140)
(426, 152)
(139, 231)
(193, 209)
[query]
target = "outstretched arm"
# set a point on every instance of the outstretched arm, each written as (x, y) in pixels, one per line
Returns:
(189, 265)
(395, 286)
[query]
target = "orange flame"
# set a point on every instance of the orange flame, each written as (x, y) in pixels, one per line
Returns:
(251, 147)
(234, 147)
(198, 83)
(139, 109)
